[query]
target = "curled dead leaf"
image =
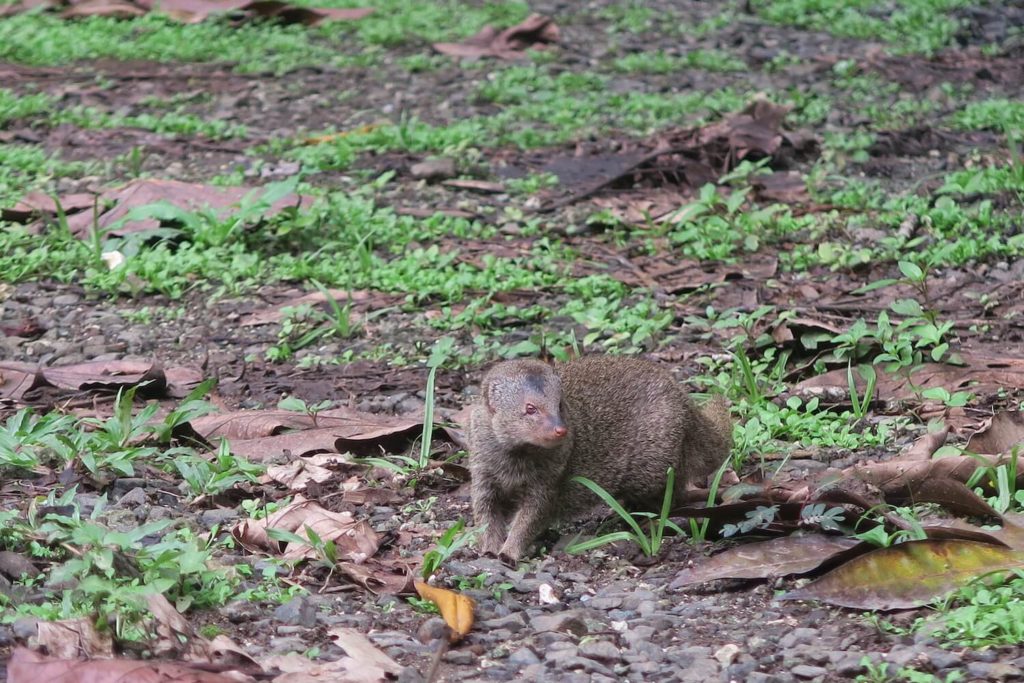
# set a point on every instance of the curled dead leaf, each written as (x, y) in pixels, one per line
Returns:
(456, 608)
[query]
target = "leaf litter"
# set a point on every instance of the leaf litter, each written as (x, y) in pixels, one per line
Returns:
(942, 483)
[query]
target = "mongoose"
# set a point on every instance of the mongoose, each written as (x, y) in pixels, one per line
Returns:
(621, 422)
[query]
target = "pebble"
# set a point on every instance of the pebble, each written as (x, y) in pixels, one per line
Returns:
(522, 657)
(299, 610)
(600, 650)
(993, 671)
(217, 516)
(806, 671)
(513, 622)
(432, 629)
(570, 621)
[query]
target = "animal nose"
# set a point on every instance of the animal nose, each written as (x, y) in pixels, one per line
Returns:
(560, 431)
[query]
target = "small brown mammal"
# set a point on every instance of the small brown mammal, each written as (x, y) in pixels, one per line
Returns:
(621, 422)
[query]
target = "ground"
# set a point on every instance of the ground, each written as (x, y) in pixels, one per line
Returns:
(878, 144)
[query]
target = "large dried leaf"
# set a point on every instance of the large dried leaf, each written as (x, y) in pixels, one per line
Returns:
(108, 376)
(1004, 431)
(982, 374)
(903, 477)
(535, 32)
(355, 541)
(767, 559)
(908, 575)
(27, 666)
(73, 639)
(262, 434)
(114, 204)
(456, 609)
(380, 576)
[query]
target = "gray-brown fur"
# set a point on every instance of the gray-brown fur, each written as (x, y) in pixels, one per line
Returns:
(621, 422)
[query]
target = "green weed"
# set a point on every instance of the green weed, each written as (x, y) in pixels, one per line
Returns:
(648, 542)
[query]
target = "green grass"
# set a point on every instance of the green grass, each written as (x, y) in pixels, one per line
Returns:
(661, 62)
(907, 25)
(41, 39)
(994, 114)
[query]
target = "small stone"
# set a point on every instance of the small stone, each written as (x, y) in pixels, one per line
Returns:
(638, 634)
(299, 610)
(24, 628)
(808, 671)
(761, 677)
(995, 671)
(434, 169)
(944, 659)
(66, 299)
(132, 499)
(560, 652)
(601, 650)
(239, 611)
(727, 654)
(605, 602)
(588, 665)
(288, 644)
(546, 595)
(217, 516)
(570, 621)
(460, 657)
(850, 666)
(798, 636)
(513, 622)
(432, 629)
(903, 656)
(632, 601)
(15, 565)
(522, 657)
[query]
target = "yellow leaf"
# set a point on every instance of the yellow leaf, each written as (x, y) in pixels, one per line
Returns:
(456, 608)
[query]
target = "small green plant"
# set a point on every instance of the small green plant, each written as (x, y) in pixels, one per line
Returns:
(1002, 480)
(456, 537)
(532, 183)
(404, 464)
(224, 472)
(649, 542)
(295, 404)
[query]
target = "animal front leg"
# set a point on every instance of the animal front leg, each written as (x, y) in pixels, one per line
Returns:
(529, 521)
(487, 509)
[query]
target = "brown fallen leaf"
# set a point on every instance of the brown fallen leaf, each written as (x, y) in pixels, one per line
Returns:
(1003, 431)
(355, 541)
(768, 559)
(36, 204)
(535, 32)
(484, 186)
(907, 575)
(456, 609)
(73, 639)
(380, 577)
(17, 378)
(113, 205)
(27, 666)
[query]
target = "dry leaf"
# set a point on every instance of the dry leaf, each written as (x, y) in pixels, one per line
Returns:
(1004, 431)
(907, 575)
(767, 559)
(27, 666)
(456, 608)
(355, 541)
(73, 639)
(535, 32)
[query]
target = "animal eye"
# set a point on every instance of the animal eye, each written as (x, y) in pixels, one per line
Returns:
(531, 409)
